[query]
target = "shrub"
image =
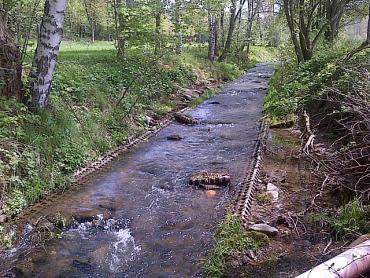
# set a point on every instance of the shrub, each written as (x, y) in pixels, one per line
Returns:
(293, 87)
(351, 219)
(226, 71)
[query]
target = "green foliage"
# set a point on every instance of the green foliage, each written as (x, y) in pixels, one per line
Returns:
(263, 54)
(227, 71)
(162, 108)
(352, 219)
(6, 238)
(17, 201)
(134, 19)
(206, 95)
(231, 240)
(264, 198)
(294, 87)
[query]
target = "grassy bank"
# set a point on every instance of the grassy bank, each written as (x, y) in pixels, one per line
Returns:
(97, 101)
(232, 241)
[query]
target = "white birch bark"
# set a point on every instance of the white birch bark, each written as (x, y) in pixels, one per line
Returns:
(50, 37)
(212, 27)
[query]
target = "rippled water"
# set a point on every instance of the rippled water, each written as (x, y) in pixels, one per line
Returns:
(139, 217)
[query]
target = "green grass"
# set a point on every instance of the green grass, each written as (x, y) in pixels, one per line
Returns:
(350, 220)
(205, 96)
(231, 240)
(87, 46)
(264, 198)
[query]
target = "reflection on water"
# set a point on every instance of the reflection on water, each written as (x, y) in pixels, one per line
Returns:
(140, 218)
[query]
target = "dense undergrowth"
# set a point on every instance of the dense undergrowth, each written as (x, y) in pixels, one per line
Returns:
(97, 101)
(295, 88)
(335, 94)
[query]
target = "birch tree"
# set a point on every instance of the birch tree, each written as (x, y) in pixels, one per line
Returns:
(47, 51)
(213, 34)
(253, 9)
(158, 8)
(177, 26)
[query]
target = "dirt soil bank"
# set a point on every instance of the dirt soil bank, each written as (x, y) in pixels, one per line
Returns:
(285, 192)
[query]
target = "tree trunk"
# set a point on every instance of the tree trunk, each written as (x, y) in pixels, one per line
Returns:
(211, 36)
(80, 32)
(364, 45)
(248, 37)
(10, 63)
(290, 20)
(304, 33)
(47, 51)
(178, 32)
(157, 42)
(217, 47)
(230, 32)
(334, 13)
(90, 18)
(121, 41)
(93, 31)
(222, 29)
(119, 25)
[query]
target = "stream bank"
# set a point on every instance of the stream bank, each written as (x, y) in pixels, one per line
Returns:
(139, 217)
(284, 200)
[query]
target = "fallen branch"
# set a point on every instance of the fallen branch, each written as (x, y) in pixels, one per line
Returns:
(309, 145)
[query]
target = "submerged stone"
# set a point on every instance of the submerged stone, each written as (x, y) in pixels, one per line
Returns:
(185, 119)
(174, 137)
(210, 180)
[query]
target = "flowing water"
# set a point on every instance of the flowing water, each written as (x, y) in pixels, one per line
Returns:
(139, 217)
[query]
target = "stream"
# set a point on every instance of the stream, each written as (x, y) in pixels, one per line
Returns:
(139, 217)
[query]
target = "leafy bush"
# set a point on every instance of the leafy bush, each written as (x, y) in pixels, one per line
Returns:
(226, 71)
(293, 86)
(17, 201)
